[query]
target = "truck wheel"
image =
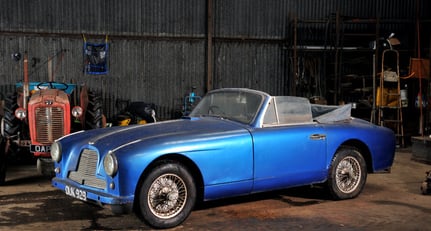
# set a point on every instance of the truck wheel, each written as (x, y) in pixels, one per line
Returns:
(347, 174)
(94, 112)
(2, 160)
(45, 166)
(167, 195)
(11, 124)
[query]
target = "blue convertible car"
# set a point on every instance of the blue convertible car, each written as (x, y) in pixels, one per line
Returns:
(235, 142)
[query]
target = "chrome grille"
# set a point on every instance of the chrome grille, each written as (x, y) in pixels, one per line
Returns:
(86, 172)
(49, 124)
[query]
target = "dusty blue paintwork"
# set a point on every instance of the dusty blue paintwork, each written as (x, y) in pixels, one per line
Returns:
(232, 158)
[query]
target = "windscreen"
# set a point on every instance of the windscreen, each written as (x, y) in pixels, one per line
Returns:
(241, 106)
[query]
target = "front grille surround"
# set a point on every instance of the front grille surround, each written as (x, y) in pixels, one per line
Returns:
(85, 173)
(49, 124)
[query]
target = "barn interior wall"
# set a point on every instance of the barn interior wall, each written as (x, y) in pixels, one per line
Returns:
(158, 49)
(158, 72)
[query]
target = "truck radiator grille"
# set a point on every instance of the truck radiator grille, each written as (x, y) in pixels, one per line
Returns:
(86, 172)
(49, 124)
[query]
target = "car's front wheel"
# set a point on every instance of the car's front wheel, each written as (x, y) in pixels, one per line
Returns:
(167, 195)
(347, 174)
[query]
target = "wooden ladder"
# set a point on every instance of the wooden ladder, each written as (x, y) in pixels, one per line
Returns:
(390, 108)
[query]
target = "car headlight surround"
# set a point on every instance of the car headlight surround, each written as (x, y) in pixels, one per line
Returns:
(56, 151)
(110, 164)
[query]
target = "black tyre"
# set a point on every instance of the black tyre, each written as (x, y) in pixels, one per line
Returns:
(11, 124)
(167, 195)
(3, 163)
(94, 112)
(347, 174)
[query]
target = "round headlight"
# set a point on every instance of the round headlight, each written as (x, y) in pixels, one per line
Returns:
(110, 164)
(56, 152)
(77, 111)
(20, 113)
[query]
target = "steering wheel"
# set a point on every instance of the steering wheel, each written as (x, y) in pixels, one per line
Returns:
(213, 109)
(51, 85)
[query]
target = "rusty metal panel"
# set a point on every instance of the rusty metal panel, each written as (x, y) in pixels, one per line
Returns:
(251, 65)
(158, 48)
(187, 18)
(134, 17)
(159, 72)
(252, 19)
(269, 19)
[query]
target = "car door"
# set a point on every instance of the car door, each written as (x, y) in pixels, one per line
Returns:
(289, 149)
(288, 156)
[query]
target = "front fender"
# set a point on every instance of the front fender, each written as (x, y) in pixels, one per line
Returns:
(213, 157)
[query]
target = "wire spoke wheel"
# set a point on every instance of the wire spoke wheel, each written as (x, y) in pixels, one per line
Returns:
(348, 174)
(167, 196)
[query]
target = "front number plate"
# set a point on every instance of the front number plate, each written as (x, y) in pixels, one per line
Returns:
(40, 148)
(76, 193)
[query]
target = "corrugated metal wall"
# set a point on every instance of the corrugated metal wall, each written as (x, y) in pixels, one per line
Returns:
(158, 49)
(139, 70)
(135, 17)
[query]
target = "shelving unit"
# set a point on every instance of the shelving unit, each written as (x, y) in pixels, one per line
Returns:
(349, 52)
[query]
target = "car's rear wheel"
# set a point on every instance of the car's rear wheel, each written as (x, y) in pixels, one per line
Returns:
(167, 195)
(347, 174)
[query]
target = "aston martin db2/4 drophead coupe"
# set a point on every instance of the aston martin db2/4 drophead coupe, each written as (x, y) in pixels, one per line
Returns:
(235, 142)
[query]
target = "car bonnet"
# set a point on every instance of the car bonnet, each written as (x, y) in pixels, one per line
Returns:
(167, 131)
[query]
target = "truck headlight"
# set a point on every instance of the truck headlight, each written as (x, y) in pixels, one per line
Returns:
(20, 113)
(110, 164)
(56, 152)
(77, 111)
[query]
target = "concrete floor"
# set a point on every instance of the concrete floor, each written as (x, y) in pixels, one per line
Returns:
(389, 201)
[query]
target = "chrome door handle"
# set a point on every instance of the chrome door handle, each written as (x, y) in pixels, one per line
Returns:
(318, 137)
